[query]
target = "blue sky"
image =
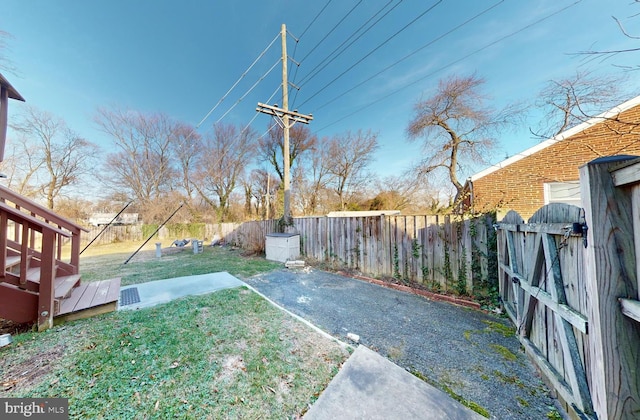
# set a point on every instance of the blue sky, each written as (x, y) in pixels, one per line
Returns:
(181, 57)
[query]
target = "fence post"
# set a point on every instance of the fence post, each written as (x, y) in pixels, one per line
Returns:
(613, 339)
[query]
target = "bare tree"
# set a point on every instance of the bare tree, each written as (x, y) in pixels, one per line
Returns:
(571, 101)
(605, 54)
(271, 146)
(5, 63)
(247, 188)
(456, 126)
(221, 163)
(74, 208)
(402, 192)
(264, 190)
(20, 166)
(144, 164)
(185, 149)
(348, 157)
(312, 177)
(55, 157)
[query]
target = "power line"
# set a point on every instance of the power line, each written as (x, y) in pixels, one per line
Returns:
(433, 41)
(236, 83)
(311, 73)
(228, 92)
(295, 97)
(374, 50)
(453, 63)
(314, 19)
(257, 113)
(246, 128)
(331, 31)
(295, 48)
(249, 91)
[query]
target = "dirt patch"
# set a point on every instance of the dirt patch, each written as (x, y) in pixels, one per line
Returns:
(306, 345)
(231, 365)
(13, 328)
(30, 372)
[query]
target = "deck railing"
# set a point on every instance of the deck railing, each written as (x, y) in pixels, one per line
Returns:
(31, 238)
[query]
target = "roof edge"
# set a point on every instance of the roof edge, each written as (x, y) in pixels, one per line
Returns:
(618, 109)
(13, 93)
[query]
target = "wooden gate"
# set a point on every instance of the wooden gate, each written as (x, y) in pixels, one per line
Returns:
(574, 294)
(541, 286)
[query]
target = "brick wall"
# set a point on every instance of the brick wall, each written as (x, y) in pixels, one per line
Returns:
(520, 185)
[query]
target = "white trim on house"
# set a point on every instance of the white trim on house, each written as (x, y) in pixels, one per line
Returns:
(562, 136)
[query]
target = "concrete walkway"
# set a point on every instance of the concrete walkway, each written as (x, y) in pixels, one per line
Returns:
(162, 291)
(368, 385)
(371, 387)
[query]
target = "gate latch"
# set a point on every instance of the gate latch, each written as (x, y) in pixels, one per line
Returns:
(580, 229)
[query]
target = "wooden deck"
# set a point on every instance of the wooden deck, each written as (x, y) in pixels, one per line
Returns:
(89, 299)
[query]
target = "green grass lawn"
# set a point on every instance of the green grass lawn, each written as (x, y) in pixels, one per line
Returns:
(175, 262)
(228, 354)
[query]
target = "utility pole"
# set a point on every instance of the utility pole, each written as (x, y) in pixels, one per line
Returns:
(285, 119)
(285, 122)
(268, 194)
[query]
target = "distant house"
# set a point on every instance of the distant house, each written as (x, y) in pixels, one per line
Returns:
(549, 171)
(101, 219)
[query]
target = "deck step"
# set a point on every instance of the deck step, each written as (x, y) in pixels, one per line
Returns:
(89, 299)
(33, 274)
(64, 285)
(12, 261)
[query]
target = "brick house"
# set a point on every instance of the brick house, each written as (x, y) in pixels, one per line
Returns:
(549, 171)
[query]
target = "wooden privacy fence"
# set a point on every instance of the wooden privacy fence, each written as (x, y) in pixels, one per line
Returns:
(251, 235)
(568, 280)
(441, 252)
(436, 251)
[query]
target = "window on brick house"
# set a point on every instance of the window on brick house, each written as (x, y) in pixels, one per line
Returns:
(562, 192)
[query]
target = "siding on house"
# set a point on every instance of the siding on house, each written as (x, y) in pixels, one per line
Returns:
(518, 182)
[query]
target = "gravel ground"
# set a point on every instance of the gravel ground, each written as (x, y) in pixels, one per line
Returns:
(469, 352)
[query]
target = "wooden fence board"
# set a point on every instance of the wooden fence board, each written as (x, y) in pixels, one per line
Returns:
(611, 271)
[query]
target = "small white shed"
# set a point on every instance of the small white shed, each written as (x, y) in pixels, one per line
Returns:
(282, 247)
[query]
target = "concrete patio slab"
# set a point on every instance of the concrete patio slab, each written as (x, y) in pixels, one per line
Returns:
(162, 291)
(371, 387)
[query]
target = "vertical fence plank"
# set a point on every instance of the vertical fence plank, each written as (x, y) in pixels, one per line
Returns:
(614, 340)
(439, 237)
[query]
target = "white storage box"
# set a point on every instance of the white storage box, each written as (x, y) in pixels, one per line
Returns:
(282, 246)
